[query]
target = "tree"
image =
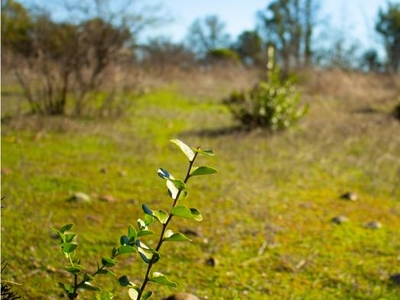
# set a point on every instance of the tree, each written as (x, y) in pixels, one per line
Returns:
(388, 25)
(207, 34)
(289, 25)
(249, 46)
(16, 24)
(78, 60)
(160, 55)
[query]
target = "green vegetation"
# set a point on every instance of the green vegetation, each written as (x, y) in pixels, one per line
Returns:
(267, 215)
(134, 242)
(272, 104)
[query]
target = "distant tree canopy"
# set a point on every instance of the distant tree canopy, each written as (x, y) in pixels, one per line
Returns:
(249, 46)
(16, 26)
(388, 25)
(289, 25)
(207, 34)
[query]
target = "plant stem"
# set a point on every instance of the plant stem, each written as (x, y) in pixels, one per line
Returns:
(164, 228)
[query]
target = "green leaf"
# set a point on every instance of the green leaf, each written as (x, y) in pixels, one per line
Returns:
(185, 212)
(87, 277)
(124, 281)
(207, 152)
(160, 215)
(66, 287)
(203, 170)
(131, 231)
(88, 286)
(148, 255)
(126, 249)
(170, 236)
(68, 247)
(123, 240)
(163, 280)
(69, 237)
(106, 272)
(73, 270)
(185, 149)
(147, 295)
(164, 174)
(66, 228)
(134, 293)
(144, 233)
(173, 191)
(108, 262)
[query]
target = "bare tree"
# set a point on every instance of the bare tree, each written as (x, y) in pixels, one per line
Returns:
(207, 34)
(78, 61)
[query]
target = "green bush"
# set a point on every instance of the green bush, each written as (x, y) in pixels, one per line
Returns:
(223, 54)
(272, 104)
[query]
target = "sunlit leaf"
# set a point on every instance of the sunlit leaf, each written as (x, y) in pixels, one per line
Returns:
(203, 170)
(164, 174)
(185, 212)
(162, 279)
(175, 237)
(160, 215)
(90, 287)
(173, 191)
(207, 152)
(185, 149)
(148, 255)
(133, 294)
(126, 249)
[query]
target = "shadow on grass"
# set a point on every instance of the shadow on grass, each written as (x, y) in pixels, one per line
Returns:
(226, 131)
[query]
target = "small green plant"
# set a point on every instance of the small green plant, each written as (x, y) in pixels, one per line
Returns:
(272, 104)
(134, 241)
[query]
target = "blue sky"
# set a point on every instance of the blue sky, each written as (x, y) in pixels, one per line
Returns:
(353, 19)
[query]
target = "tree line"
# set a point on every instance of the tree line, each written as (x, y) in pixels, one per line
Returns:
(77, 56)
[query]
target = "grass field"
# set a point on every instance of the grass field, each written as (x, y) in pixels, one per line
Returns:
(266, 214)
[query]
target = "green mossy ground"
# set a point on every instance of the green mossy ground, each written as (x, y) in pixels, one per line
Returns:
(266, 215)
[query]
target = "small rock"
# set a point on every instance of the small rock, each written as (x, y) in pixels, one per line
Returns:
(182, 296)
(349, 196)
(122, 173)
(107, 198)
(395, 278)
(373, 225)
(212, 261)
(79, 197)
(339, 219)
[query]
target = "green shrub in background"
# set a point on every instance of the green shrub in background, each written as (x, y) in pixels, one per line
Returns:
(272, 104)
(223, 55)
(135, 240)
